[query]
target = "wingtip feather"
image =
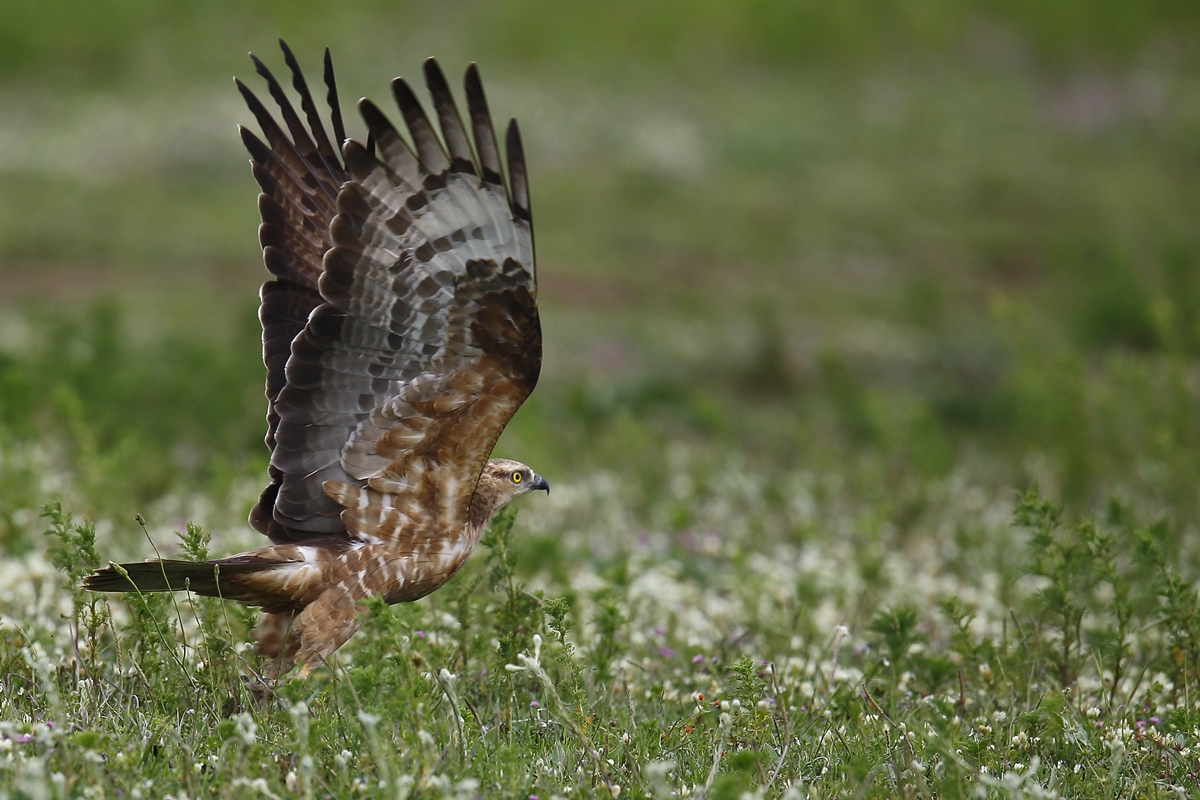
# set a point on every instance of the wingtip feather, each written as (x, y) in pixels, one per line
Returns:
(517, 174)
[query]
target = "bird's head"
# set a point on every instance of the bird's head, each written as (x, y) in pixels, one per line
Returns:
(502, 481)
(510, 479)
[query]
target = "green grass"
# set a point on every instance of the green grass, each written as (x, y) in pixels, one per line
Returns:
(765, 582)
(870, 406)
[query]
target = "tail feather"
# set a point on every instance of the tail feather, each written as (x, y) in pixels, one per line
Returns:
(224, 578)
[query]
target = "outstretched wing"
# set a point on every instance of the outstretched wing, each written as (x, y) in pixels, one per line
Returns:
(424, 337)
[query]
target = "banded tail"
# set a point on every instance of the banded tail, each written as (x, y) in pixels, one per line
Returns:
(229, 578)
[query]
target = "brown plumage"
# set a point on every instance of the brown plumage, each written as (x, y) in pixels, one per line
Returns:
(400, 334)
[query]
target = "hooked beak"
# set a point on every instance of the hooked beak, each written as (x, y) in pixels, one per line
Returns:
(540, 483)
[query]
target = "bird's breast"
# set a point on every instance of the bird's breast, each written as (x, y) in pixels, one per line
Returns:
(405, 573)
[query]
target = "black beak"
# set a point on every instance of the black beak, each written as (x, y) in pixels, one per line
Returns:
(540, 483)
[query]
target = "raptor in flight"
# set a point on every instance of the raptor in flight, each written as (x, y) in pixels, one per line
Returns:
(400, 335)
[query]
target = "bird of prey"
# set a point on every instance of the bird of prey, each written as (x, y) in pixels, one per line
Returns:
(400, 335)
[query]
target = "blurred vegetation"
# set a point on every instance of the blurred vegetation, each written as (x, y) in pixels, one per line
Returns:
(835, 280)
(944, 235)
(102, 45)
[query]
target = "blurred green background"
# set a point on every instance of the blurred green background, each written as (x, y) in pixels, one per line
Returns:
(887, 240)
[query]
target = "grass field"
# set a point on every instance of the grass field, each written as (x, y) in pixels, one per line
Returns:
(871, 404)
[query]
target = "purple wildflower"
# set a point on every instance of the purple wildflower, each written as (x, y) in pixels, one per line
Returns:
(696, 659)
(666, 652)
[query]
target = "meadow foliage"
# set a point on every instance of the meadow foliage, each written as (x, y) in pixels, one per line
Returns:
(870, 408)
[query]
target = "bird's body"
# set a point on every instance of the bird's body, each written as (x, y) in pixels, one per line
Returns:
(400, 334)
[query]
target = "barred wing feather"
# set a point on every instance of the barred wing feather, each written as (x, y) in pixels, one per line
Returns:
(405, 294)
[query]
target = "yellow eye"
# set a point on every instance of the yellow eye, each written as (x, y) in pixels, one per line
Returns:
(516, 477)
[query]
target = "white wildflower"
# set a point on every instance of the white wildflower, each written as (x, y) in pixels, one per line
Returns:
(246, 727)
